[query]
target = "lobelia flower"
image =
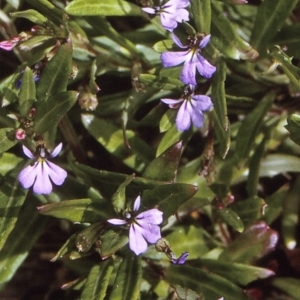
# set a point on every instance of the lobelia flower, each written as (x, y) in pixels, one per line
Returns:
(171, 13)
(143, 227)
(42, 171)
(191, 109)
(190, 57)
(181, 260)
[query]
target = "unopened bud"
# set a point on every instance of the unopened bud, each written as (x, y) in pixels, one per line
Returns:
(32, 113)
(20, 134)
(87, 101)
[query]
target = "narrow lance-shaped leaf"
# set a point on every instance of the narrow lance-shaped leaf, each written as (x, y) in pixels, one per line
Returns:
(270, 17)
(165, 166)
(202, 15)
(254, 243)
(289, 285)
(119, 197)
(27, 92)
(293, 127)
(250, 127)
(30, 14)
(98, 8)
(128, 280)
(7, 139)
(55, 75)
(49, 114)
(21, 239)
(231, 218)
(12, 198)
(204, 283)
(95, 287)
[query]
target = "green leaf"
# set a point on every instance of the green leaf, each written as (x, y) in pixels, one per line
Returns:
(119, 197)
(27, 92)
(235, 272)
(79, 210)
(168, 197)
(95, 287)
(254, 243)
(128, 280)
(8, 161)
(111, 137)
(289, 285)
(201, 11)
(250, 128)
(290, 217)
(164, 45)
(55, 75)
(167, 120)
(292, 72)
(98, 8)
(30, 14)
(293, 127)
(165, 166)
(161, 83)
(52, 112)
(232, 219)
(249, 210)
(12, 198)
(7, 139)
(269, 19)
(204, 283)
(21, 239)
(67, 247)
(112, 241)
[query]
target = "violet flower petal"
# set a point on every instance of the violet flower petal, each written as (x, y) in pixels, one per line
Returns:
(204, 67)
(137, 203)
(183, 119)
(57, 150)
(117, 221)
(42, 183)
(181, 14)
(177, 41)
(201, 102)
(27, 176)
(151, 216)
(149, 10)
(196, 115)
(181, 260)
(171, 59)
(56, 173)
(167, 22)
(137, 243)
(171, 101)
(150, 232)
(188, 73)
(27, 152)
(205, 41)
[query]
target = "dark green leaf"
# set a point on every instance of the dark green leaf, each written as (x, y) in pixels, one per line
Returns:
(97, 281)
(293, 127)
(269, 19)
(289, 285)
(7, 139)
(52, 112)
(232, 219)
(27, 92)
(128, 280)
(255, 242)
(204, 283)
(250, 128)
(161, 83)
(202, 15)
(165, 166)
(55, 75)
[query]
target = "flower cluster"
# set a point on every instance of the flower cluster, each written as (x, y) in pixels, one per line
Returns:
(191, 108)
(40, 173)
(143, 227)
(171, 13)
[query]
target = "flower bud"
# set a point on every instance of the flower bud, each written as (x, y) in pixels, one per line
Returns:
(20, 134)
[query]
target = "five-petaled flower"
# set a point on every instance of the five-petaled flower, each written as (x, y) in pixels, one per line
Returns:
(143, 227)
(191, 108)
(40, 173)
(171, 13)
(191, 58)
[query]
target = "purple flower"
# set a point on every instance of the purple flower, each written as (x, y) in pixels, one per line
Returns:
(181, 260)
(170, 13)
(191, 58)
(42, 171)
(191, 109)
(143, 227)
(10, 44)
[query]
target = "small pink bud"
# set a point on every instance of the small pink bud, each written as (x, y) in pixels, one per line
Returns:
(32, 113)
(20, 134)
